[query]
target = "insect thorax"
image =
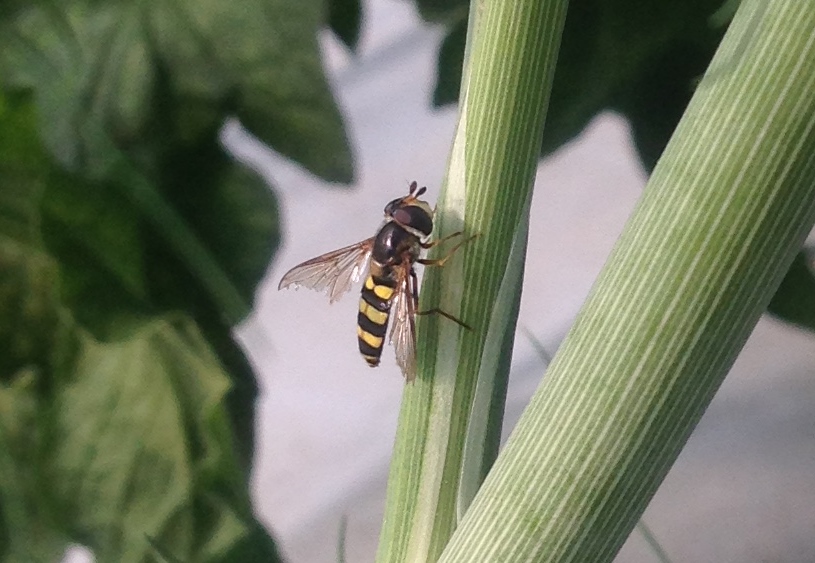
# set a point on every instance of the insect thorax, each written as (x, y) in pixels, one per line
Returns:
(391, 243)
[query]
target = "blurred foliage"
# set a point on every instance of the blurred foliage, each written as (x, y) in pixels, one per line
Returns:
(114, 418)
(150, 75)
(795, 299)
(345, 19)
(131, 244)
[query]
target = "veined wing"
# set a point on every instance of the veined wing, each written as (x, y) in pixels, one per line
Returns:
(403, 329)
(332, 272)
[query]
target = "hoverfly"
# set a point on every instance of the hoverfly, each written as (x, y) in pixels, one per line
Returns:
(390, 287)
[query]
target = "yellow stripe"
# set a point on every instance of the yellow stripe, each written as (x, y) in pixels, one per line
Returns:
(374, 315)
(383, 292)
(369, 283)
(373, 341)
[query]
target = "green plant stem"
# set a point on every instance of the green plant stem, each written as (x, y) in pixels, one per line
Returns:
(727, 207)
(451, 416)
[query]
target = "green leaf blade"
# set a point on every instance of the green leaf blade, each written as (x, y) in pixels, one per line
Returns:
(160, 463)
(29, 524)
(794, 301)
(345, 20)
(101, 71)
(263, 62)
(94, 276)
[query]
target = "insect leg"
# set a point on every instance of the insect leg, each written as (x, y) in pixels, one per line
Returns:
(441, 261)
(437, 311)
(413, 304)
(427, 245)
(414, 289)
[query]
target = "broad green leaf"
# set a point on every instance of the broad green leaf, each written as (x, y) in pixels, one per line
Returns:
(125, 245)
(656, 99)
(29, 526)
(103, 70)
(609, 45)
(143, 449)
(345, 20)
(9, 7)
(113, 248)
(89, 255)
(21, 164)
(794, 301)
(31, 339)
(95, 235)
(28, 308)
(117, 445)
(265, 55)
(229, 209)
(89, 66)
(28, 293)
(110, 241)
(449, 67)
(443, 11)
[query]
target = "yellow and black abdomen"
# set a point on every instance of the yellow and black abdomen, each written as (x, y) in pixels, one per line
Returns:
(372, 320)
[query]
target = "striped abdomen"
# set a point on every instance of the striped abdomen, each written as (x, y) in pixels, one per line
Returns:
(372, 320)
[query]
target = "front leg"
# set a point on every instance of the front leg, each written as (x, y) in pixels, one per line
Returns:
(428, 245)
(441, 261)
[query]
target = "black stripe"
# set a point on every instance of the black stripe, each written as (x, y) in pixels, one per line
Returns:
(369, 350)
(371, 327)
(387, 282)
(375, 301)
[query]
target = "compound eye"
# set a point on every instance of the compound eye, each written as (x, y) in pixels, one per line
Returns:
(390, 207)
(402, 216)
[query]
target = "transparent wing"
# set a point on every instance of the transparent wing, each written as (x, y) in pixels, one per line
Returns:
(403, 329)
(333, 272)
